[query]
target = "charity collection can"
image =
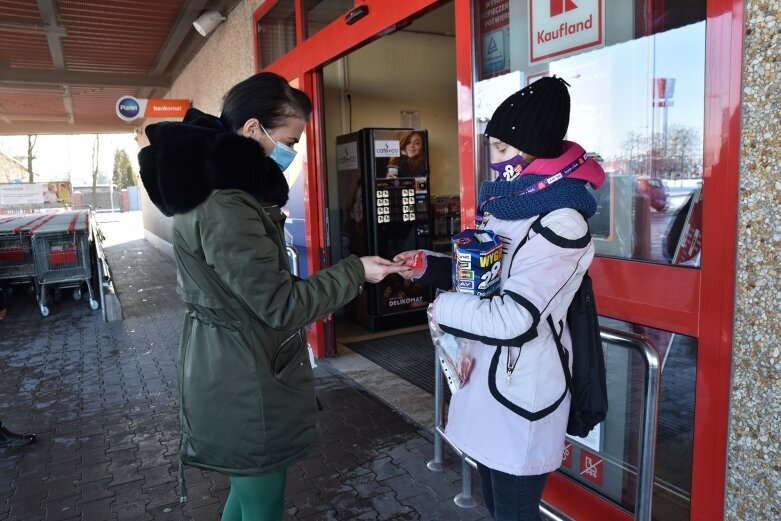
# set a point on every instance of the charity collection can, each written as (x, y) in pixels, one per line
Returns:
(477, 262)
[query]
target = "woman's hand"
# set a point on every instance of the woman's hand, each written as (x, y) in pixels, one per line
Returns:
(415, 260)
(377, 268)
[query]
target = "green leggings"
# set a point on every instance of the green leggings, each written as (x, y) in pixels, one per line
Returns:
(256, 498)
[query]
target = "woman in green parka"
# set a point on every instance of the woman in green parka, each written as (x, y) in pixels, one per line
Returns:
(247, 401)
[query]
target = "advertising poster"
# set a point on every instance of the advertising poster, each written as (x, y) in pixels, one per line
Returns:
(494, 37)
(55, 193)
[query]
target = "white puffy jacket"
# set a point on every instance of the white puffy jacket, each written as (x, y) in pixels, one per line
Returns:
(519, 427)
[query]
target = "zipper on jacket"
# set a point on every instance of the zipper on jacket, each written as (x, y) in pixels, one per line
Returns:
(279, 349)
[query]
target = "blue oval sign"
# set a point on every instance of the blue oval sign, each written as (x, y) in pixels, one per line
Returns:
(128, 108)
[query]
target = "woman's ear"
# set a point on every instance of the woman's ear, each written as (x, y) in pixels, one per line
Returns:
(251, 128)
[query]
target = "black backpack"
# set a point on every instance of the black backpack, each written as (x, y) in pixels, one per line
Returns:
(586, 383)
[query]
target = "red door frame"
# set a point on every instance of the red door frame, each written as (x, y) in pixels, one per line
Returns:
(692, 302)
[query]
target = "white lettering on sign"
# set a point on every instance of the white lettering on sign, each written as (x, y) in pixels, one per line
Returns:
(402, 301)
(559, 27)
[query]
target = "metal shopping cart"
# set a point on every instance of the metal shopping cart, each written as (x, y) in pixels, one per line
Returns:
(63, 257)
(17, 264)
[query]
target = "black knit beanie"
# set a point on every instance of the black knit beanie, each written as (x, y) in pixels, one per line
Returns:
(535, 119)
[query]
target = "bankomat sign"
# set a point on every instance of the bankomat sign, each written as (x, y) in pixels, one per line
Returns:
(559, 27)
(130, 108)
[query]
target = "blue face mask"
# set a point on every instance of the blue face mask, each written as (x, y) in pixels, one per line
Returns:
(282, 154)
(510, 169)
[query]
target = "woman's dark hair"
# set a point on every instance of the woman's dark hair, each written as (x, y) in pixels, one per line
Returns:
(267, 97)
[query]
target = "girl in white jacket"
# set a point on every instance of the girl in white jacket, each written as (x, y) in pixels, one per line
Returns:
(511, 415)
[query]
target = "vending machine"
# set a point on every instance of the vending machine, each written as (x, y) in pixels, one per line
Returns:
(384, 202)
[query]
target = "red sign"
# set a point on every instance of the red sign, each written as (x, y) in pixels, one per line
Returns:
(566, 458)
(591, 467)
(558, 7)
(561, 27)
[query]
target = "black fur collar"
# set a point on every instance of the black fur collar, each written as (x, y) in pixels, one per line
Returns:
(185, 162)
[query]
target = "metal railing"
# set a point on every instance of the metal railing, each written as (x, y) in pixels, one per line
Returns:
(645, 470)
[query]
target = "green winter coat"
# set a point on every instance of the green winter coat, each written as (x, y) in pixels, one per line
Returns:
(247, 402)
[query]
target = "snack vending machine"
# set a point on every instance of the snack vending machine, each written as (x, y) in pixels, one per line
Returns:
(384, 201)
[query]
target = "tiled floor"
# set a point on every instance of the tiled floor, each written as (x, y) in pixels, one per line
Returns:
(102, 398)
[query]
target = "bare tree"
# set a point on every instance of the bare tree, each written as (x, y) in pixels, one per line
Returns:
(95, 154)
(31, 141)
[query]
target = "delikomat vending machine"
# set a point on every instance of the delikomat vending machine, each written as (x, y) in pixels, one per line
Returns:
(384, 201)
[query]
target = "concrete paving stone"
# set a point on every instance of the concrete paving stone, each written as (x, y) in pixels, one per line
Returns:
(61, 509)
(306, 504)
(350, 504)
(94, 441)
(99, 510)
(206, 513)
(388, 507)
(169, 512)
(29, 486)
(61, 487)
(404, 486)
(163, 494)
(61, 470)
(124, 475)
(96, 491)
(197, 496)
(65, 455)
(329, 515)
(25, 507)
(330, 485)
(90, 473)
(129, 494)
(430, 509)
(158, 475)
(126, 456)
(314, 467)
(219, 483)
(93, 456)
(367, 486)
(384, 468)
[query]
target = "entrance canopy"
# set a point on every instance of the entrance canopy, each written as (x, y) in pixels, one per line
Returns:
(65, 63)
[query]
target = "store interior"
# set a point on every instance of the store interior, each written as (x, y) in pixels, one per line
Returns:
(406, 79)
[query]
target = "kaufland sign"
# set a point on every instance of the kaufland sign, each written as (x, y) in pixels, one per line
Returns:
(559, 27)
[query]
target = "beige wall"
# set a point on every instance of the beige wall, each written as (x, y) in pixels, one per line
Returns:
(754, 455)
(227, 58)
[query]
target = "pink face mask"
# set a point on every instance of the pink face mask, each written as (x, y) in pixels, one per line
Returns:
(510, 169)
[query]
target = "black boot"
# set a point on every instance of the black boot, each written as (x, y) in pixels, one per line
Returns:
(12, 440)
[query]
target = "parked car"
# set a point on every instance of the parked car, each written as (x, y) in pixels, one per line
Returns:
(656, 191)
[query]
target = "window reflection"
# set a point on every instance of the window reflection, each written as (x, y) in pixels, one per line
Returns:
(320, 13)
(637, 106)
(276, 32)
(615, 449)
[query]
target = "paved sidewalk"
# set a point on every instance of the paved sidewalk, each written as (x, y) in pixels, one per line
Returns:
(103, 399)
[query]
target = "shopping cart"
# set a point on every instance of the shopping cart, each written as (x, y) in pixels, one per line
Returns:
(63, 256)
(17, 264)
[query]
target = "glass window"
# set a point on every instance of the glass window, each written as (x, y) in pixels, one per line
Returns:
(276, 32)
(319, 13)
(607, 461)
(637, 75)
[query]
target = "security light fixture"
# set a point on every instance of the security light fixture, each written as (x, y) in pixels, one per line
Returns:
(208, 21)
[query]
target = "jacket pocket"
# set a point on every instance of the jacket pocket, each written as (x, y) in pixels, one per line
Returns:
(289, 355)
(531, 390)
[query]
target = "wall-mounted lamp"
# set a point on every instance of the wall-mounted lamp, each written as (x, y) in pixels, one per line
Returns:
(208, 21)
